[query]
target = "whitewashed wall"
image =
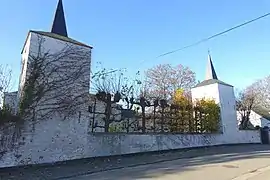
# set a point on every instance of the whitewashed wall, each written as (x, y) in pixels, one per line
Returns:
(210, 91)
(56, 140)
(228, 109)
(24, 62)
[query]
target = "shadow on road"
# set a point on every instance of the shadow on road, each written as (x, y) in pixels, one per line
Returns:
(176, 166)
(190, 158)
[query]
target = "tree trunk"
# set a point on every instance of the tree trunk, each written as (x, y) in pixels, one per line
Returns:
(154, 123)
(245, 120)
(107, 116)
(162, 120)
(143, 119)
(128, 125)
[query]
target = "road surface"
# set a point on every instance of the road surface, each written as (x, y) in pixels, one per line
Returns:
(231, 166)
(239, 162)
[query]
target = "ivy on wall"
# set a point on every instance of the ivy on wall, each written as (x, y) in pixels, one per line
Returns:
(28, 95)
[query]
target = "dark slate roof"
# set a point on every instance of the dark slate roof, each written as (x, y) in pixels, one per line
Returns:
(211, 75)
(212, 69)
(59, 23)
(212, 81)
(56, 36)
(262, 111)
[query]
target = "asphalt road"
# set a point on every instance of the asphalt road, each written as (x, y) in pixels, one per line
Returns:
(239, 162)
(251, 166)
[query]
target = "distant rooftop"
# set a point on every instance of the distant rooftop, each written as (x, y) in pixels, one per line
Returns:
(265, 113)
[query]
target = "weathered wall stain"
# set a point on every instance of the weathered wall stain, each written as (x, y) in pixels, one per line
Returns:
(55, 140)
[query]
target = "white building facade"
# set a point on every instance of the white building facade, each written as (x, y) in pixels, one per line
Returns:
(59, 68)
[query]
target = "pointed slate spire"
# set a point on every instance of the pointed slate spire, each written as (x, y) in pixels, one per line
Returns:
(210, 71)
(59, 22)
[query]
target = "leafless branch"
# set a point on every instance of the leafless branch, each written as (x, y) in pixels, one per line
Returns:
(5, 80)
(163, 80)
(57, 80)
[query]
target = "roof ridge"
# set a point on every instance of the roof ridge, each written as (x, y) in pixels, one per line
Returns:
(60, 37)
(212, 81)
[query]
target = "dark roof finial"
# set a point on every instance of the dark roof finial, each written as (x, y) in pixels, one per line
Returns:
(59, 22)
(210, 71)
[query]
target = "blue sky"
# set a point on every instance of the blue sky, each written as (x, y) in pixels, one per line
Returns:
(125, 33)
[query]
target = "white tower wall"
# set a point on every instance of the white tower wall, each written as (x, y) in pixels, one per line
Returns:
(224, 96)
(210, 91)
(228, 109)
(24, 62)
(80, 58)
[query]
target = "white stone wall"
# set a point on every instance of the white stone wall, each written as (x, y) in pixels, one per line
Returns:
(57, 140)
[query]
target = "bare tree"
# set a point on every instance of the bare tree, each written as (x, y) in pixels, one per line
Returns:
(262, 90)
(244, 104)
(139, 95)
(108, 87)
(5, 79)
(163, 80)
(55, 82)
(129, 92)
(113, 87)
